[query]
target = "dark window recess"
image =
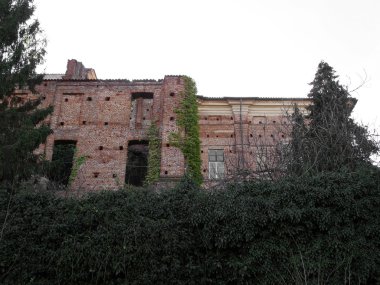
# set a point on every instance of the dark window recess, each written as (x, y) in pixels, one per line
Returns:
(251, 135)
(167, 145)
(108, 98)
(144, 95)
(62, 161)
(106, 123)
(121, 147)
(137, 163)
(114, 175)
(172, 94)
(171, 118)
(43, 97)
(61, 123)
(66, 100)
(84, 122)
(89, 99)
(96, 174)
(100, 148)
(166, 172)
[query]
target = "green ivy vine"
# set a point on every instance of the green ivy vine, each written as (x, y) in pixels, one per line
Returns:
(187, 137)
(78, 162)
(154, 156)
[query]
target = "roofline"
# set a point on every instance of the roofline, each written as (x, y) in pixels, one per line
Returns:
(253, 98)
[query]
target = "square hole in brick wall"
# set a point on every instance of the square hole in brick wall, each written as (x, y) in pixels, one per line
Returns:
(108, 98)
(89, 99)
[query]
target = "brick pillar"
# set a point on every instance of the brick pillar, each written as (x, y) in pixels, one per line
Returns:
(139, 112)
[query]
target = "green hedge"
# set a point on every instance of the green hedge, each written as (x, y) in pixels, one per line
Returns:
(322, 229)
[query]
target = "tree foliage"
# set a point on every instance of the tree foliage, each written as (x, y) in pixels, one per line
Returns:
(19, 136)
(22, 47)
(187, 138)
(329, 138)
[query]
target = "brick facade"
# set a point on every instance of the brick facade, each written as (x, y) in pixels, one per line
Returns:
(103, 116)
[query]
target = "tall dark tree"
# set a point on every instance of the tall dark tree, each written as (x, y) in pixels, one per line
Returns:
(22, 48)
(332, 139)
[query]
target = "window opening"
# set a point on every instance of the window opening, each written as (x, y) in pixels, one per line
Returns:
(137, 163)
(216, 163)
(62, 161)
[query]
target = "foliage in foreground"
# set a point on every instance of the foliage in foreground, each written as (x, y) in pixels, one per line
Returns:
(323, 229)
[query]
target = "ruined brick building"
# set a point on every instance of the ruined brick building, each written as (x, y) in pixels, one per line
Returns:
(107, 122)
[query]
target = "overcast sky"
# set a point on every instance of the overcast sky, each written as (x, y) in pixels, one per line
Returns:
(255, 48)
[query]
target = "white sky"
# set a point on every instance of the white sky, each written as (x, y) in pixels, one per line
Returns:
(263, 48)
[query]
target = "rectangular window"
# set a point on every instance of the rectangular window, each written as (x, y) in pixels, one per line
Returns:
(216, 163)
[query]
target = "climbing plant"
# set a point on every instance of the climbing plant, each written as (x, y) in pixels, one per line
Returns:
(187, 137)
(78, 161)
(154, 156)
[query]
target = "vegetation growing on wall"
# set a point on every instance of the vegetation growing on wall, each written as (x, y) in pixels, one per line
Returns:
(154, 156)
(187, 137)
(78, 161)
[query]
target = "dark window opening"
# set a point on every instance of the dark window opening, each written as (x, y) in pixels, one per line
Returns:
(84, 122)
(89, 98)
(66, 100)
(61, 123)
(144, 95)
(137, 163)
(62, 161)
(101, 148)
(96, 174)
(171, 118)
(106, 123)
(108, 98)
(121, 147)
(172, 94)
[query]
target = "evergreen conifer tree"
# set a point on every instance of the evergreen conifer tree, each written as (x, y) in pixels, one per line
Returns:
(332, 139)
(22, 48)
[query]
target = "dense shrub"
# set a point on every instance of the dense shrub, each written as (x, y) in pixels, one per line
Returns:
(317, 230)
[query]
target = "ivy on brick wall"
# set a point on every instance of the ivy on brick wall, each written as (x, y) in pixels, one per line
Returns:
(78, 161)
(154, 156)
(187, 137)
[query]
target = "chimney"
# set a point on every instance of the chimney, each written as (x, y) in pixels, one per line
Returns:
(76, 70)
